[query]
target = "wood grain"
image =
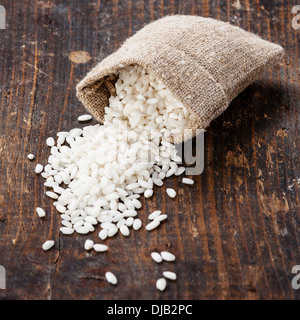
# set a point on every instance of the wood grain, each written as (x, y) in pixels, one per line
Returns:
(235, 232)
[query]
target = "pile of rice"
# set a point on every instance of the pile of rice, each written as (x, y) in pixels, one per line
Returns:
(98, 173)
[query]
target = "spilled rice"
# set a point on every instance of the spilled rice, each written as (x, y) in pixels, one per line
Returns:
(97, 174)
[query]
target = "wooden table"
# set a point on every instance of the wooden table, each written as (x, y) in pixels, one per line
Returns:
(235, 232)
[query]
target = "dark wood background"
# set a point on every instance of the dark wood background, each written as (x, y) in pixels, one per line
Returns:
(235, 232)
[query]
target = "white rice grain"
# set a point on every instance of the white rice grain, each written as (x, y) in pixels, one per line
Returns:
(48, 245)
(129, 222)
(88, 244)
(154, 214)
(124, 230)
(107, 225)
(66, 223)
(82, 230)
(61, 209)
(161, 284)
(41, 212)
(65, 217)
(103, 234)
(121, 223)
(152, 225)
(85, 117)
(112, 231)
(50, 142)
(137, 224)
(66, 230)
(111, 278)
(170, 275)
(148, 193)
(167, 256)
(100, 247)
(161, 217)
(171, 192)
(180, 171)
(91, 220)
(156, 257)
(51, 194)
(129, 213)
(38, 168)
(78, 224)
(188, 181)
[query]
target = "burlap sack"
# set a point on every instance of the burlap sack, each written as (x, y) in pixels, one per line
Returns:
(205, 63)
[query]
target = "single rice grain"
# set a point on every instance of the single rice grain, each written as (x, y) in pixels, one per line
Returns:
(161, 217)
(100, 247)
(50, 142)
(41, 212)
(161, 284)
(170, 275)
(168, 256)
(66, 230)
(137, 224)
(111, 278)
(188, 181)
(88, 244)
(125, 230)
(156, 257)
(171, 192)
(154, 214)
(85, 117)
(152, 225)
(38, 168)
(48, 245)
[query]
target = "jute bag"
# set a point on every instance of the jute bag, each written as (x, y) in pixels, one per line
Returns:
(204, 62)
